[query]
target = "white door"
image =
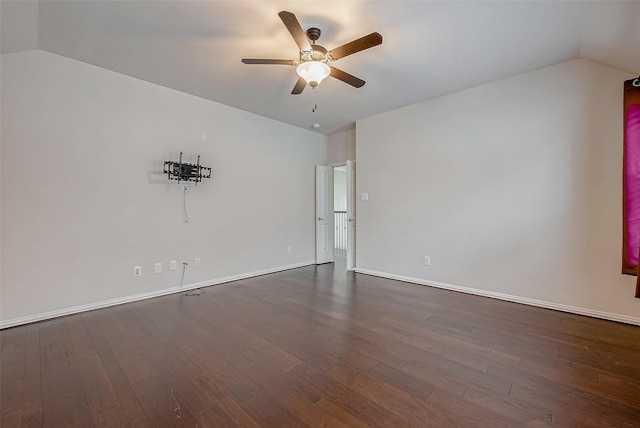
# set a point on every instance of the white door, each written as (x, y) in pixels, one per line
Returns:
(324, 214)
(351, 215)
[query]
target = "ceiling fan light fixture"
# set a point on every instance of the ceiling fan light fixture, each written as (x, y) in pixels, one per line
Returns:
(313, 72)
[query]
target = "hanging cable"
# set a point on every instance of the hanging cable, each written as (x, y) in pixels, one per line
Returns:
(636, 82)
(185, 217)
(184, 268)
(195, 292)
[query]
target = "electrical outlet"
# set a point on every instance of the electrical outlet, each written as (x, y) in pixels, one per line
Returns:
(427, 261)
(289, 249)
(137, 270)
(158, 268)
(173, 264)
(196, 262)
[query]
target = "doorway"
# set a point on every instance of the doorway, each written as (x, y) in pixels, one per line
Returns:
(340, 214)
(335, 214)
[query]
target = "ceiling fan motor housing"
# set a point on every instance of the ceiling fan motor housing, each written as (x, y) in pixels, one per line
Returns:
(317, 53)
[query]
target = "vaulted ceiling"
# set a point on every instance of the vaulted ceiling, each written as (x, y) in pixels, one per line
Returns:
(430, 48)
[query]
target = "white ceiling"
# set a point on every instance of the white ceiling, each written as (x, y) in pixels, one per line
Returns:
(430, 48)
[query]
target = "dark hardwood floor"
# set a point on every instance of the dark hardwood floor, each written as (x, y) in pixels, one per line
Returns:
(318, 347)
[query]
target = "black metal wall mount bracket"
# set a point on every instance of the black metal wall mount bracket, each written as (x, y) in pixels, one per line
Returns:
(183, 171)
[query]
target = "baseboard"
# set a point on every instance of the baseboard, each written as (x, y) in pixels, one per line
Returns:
(127, 299)
(508, 297)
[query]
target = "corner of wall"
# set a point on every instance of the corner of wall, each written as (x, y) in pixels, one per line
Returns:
(341, 146)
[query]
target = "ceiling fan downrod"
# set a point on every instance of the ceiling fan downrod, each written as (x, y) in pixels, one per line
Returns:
(313, 34)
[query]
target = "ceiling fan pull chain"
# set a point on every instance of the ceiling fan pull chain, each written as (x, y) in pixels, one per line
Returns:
(315, 106)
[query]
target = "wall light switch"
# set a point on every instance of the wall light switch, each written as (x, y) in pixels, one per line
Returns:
(365, 196)
(158, 267)
(137, 270)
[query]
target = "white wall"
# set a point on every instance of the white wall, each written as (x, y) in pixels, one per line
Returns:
(341, 147)
(513, 189)
(18, 25)
(83, 200)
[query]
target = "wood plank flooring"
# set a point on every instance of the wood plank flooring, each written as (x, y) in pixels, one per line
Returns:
(317, 347)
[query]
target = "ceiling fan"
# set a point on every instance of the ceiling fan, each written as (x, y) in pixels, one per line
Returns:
(313, 63)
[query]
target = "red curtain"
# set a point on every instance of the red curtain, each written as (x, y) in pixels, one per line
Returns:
(631, 181)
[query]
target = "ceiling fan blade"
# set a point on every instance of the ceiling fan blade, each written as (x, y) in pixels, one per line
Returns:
(299, 86)
(291, 22)
(347, 78)
(366, 42)
(269, 61)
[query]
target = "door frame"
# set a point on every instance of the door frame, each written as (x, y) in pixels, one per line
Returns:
(351, 215)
